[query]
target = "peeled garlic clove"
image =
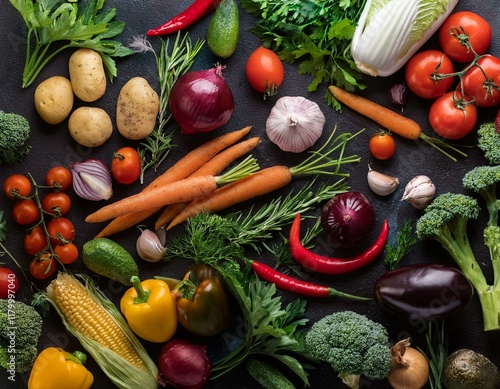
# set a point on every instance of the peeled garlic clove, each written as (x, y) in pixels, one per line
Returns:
(419, 192)
(380, 183)
(149, 247)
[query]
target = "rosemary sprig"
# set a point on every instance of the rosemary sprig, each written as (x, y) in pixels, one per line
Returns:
(404, 241)
(437, 352)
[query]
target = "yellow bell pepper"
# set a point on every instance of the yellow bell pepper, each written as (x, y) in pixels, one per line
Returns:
(150, 310)
(55, 368)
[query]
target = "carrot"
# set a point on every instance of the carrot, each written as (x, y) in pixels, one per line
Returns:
(391, 120)
(186, 189)
(181, 169)
(215, 166)
(270, 179)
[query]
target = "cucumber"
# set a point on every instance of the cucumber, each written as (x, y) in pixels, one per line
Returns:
(107, 258)
(224, 29)
(267, 375)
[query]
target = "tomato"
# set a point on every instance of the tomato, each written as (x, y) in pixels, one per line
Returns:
(482, 82)
(61, 230)
(66, 253)
(126, 165)
(382, 145)
(59, 177)
(16, 186)
(424, 74)
(43, 267)
(25, 212)
(35, 241)
(56, 203)
(264, 70)
(9, 284)
(453, 116)
(457, 28)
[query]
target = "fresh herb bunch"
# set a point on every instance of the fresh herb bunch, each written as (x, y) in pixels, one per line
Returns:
(316, 33)
(405, 239)
(88, 26)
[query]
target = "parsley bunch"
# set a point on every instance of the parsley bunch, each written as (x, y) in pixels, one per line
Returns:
(316, 33)
(51, 21)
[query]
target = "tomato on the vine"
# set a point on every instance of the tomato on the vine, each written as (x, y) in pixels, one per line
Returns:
(382, 145)
(25, 212)
(9, 284)
(43, 266)
(66, 253)
(59, 177)
(453, 116)
(264, 70)
(16, 186)
(126, 165)
(482, 82)
(425, 74)
(61, 230)
(464, 27)
(35, 240)
(56, 203)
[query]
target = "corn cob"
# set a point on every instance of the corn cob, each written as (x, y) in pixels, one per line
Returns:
(102, 331)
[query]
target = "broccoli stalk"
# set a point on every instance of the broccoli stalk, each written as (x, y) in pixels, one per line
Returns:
(445, 220)
(14, 135)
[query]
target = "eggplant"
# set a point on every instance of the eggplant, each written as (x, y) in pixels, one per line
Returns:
(423, 291)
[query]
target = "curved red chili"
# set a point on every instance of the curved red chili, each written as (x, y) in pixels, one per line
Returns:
(189, 16)
(327, 265)
(294, 285)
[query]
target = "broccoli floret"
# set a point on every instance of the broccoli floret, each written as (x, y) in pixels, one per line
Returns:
(14, 135)
(19, 359)
(352, 344)
(483, 180)
(488, 140)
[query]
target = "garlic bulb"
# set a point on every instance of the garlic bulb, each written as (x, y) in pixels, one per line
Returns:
(295, 123)
(419, 192)
(381, 184)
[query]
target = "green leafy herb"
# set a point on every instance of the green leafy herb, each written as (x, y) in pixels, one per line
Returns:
(51, 21)
(316, 33)
(437, 352)
(404, 241)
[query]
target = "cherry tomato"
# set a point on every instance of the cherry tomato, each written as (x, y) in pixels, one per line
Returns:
(424, 74)
(43, 267)
(126, 165)
(56, 203)
(59, 177)
(61, 230)
(16, 186)
(66, 253)
(482, 82)
(35, 241)
(9, 284)
(25, 212)
(264, 70)
(456, 28)
(382, 145)
(453, 116)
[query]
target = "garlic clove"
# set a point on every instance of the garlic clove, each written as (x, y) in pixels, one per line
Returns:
(149, 247)
(419, 192)
(380, 183)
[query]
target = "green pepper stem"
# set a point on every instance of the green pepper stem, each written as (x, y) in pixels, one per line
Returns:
(77, 357)
(142, 295)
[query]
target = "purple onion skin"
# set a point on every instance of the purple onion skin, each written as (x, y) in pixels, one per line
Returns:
(183, 365)
(201, 101)
(348, 219)
(423, 292)
(399, 94)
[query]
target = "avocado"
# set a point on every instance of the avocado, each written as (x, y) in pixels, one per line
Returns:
(467, 369)
(223, 30)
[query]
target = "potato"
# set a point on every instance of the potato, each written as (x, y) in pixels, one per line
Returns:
(86, 72)
(54, 99)
(137, 109)
(90, 126)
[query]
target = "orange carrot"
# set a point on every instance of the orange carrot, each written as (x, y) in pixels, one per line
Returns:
(215, 166)
(181, 169)
(390, 120)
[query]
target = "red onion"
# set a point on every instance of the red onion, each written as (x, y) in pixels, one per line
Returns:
(201, 101)
(183, 364)
(92, 180)
(399, 94)
(348, 218)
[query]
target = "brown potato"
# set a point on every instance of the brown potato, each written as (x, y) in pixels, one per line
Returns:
(87, 75)
(90, 126)
(54, 99)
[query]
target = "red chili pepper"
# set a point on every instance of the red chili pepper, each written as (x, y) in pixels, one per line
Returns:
(328, 265)
(189, 16)
(293, 285)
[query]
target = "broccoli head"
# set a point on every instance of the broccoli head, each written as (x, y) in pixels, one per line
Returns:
(14, 135)
(352, 344)
(19, 359)
(483, 180)
(488, 140)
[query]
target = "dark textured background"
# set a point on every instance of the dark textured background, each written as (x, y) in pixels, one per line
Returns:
(52, 145)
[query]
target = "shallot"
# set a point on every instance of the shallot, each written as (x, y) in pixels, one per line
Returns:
(92, 180)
